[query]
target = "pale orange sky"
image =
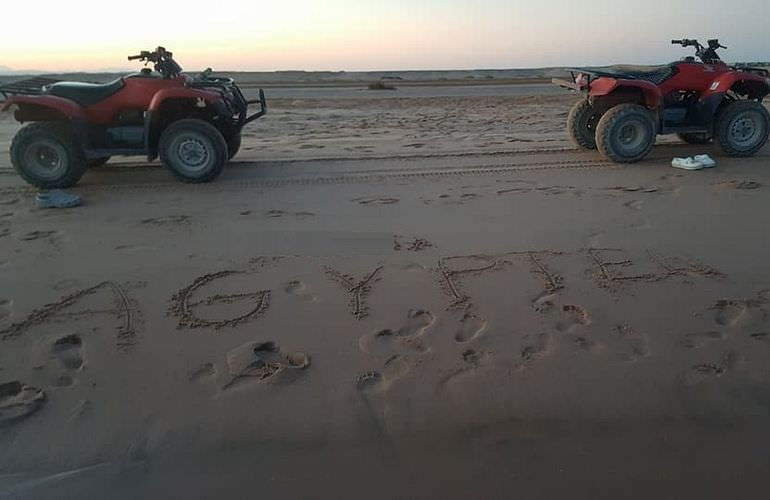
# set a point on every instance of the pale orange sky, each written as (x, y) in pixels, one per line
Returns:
(367, 34)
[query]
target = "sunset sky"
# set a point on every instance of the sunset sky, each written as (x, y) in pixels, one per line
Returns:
(369, 35)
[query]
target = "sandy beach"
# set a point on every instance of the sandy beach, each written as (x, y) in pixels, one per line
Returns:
(408, 294)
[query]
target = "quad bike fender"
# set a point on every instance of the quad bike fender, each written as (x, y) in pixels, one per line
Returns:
(43, 107)
(618, 90)
(197, 95)
(153, 116)
(751, 85)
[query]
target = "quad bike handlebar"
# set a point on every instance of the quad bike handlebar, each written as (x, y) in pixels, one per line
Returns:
(705, 54)
(162, 60)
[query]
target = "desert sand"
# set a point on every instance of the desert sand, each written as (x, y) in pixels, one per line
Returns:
(388, 296)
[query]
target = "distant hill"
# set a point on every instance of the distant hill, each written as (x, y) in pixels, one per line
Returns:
(348, 78)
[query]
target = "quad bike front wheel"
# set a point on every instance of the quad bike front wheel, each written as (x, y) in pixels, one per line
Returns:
(193, 150)
(626, 133)
(742, 128)
(696, 137)
(46, 155)
(581, 124)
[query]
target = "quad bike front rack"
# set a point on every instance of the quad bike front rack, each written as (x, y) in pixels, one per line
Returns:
(228, 85)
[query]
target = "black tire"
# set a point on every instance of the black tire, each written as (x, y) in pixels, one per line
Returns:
(626, 133)
(742, 128)
(193, 150)
(581, 124)
(98, 162)
(46, 155)
(233, 145)
(696, 137)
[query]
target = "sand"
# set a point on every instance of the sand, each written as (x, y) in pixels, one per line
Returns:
(346, 314)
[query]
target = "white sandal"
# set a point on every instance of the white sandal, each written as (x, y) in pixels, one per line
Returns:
(686, 164)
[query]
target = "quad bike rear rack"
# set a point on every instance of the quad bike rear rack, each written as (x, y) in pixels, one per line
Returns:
(590, 76)
(30, 86)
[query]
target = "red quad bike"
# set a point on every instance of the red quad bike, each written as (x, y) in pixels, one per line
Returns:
(699, 101)
(193, 124)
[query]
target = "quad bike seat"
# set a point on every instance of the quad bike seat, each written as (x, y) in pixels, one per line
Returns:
(85, 94)
(655, 75)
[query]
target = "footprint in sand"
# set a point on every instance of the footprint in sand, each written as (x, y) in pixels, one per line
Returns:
(460, 200)
(370, 382)
(761, 337)
(698, 340)
(635, 345)
(535, 347)
(572, 317)
(739, 184)
(376, 200)
(68, 350)
(729, 312)
(472, 362)
(395, 368)
(515, 190)
(168, 220)
(544, 302)
(585, 344)
(558, 190)
(471, 327)
(263, 361)
(300, 290)
(703, 372)
(38, 235)
(410, 336)
(18, 401)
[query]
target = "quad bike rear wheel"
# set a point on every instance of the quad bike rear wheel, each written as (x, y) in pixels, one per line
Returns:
(46, 155)
(742, 128)
(696, 137)
(193, 150)
(581, 124)
(233, 145)
(626, 133)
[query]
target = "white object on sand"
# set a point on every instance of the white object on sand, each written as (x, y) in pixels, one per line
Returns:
(57, 199)
(706, 161)
(686, 164)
